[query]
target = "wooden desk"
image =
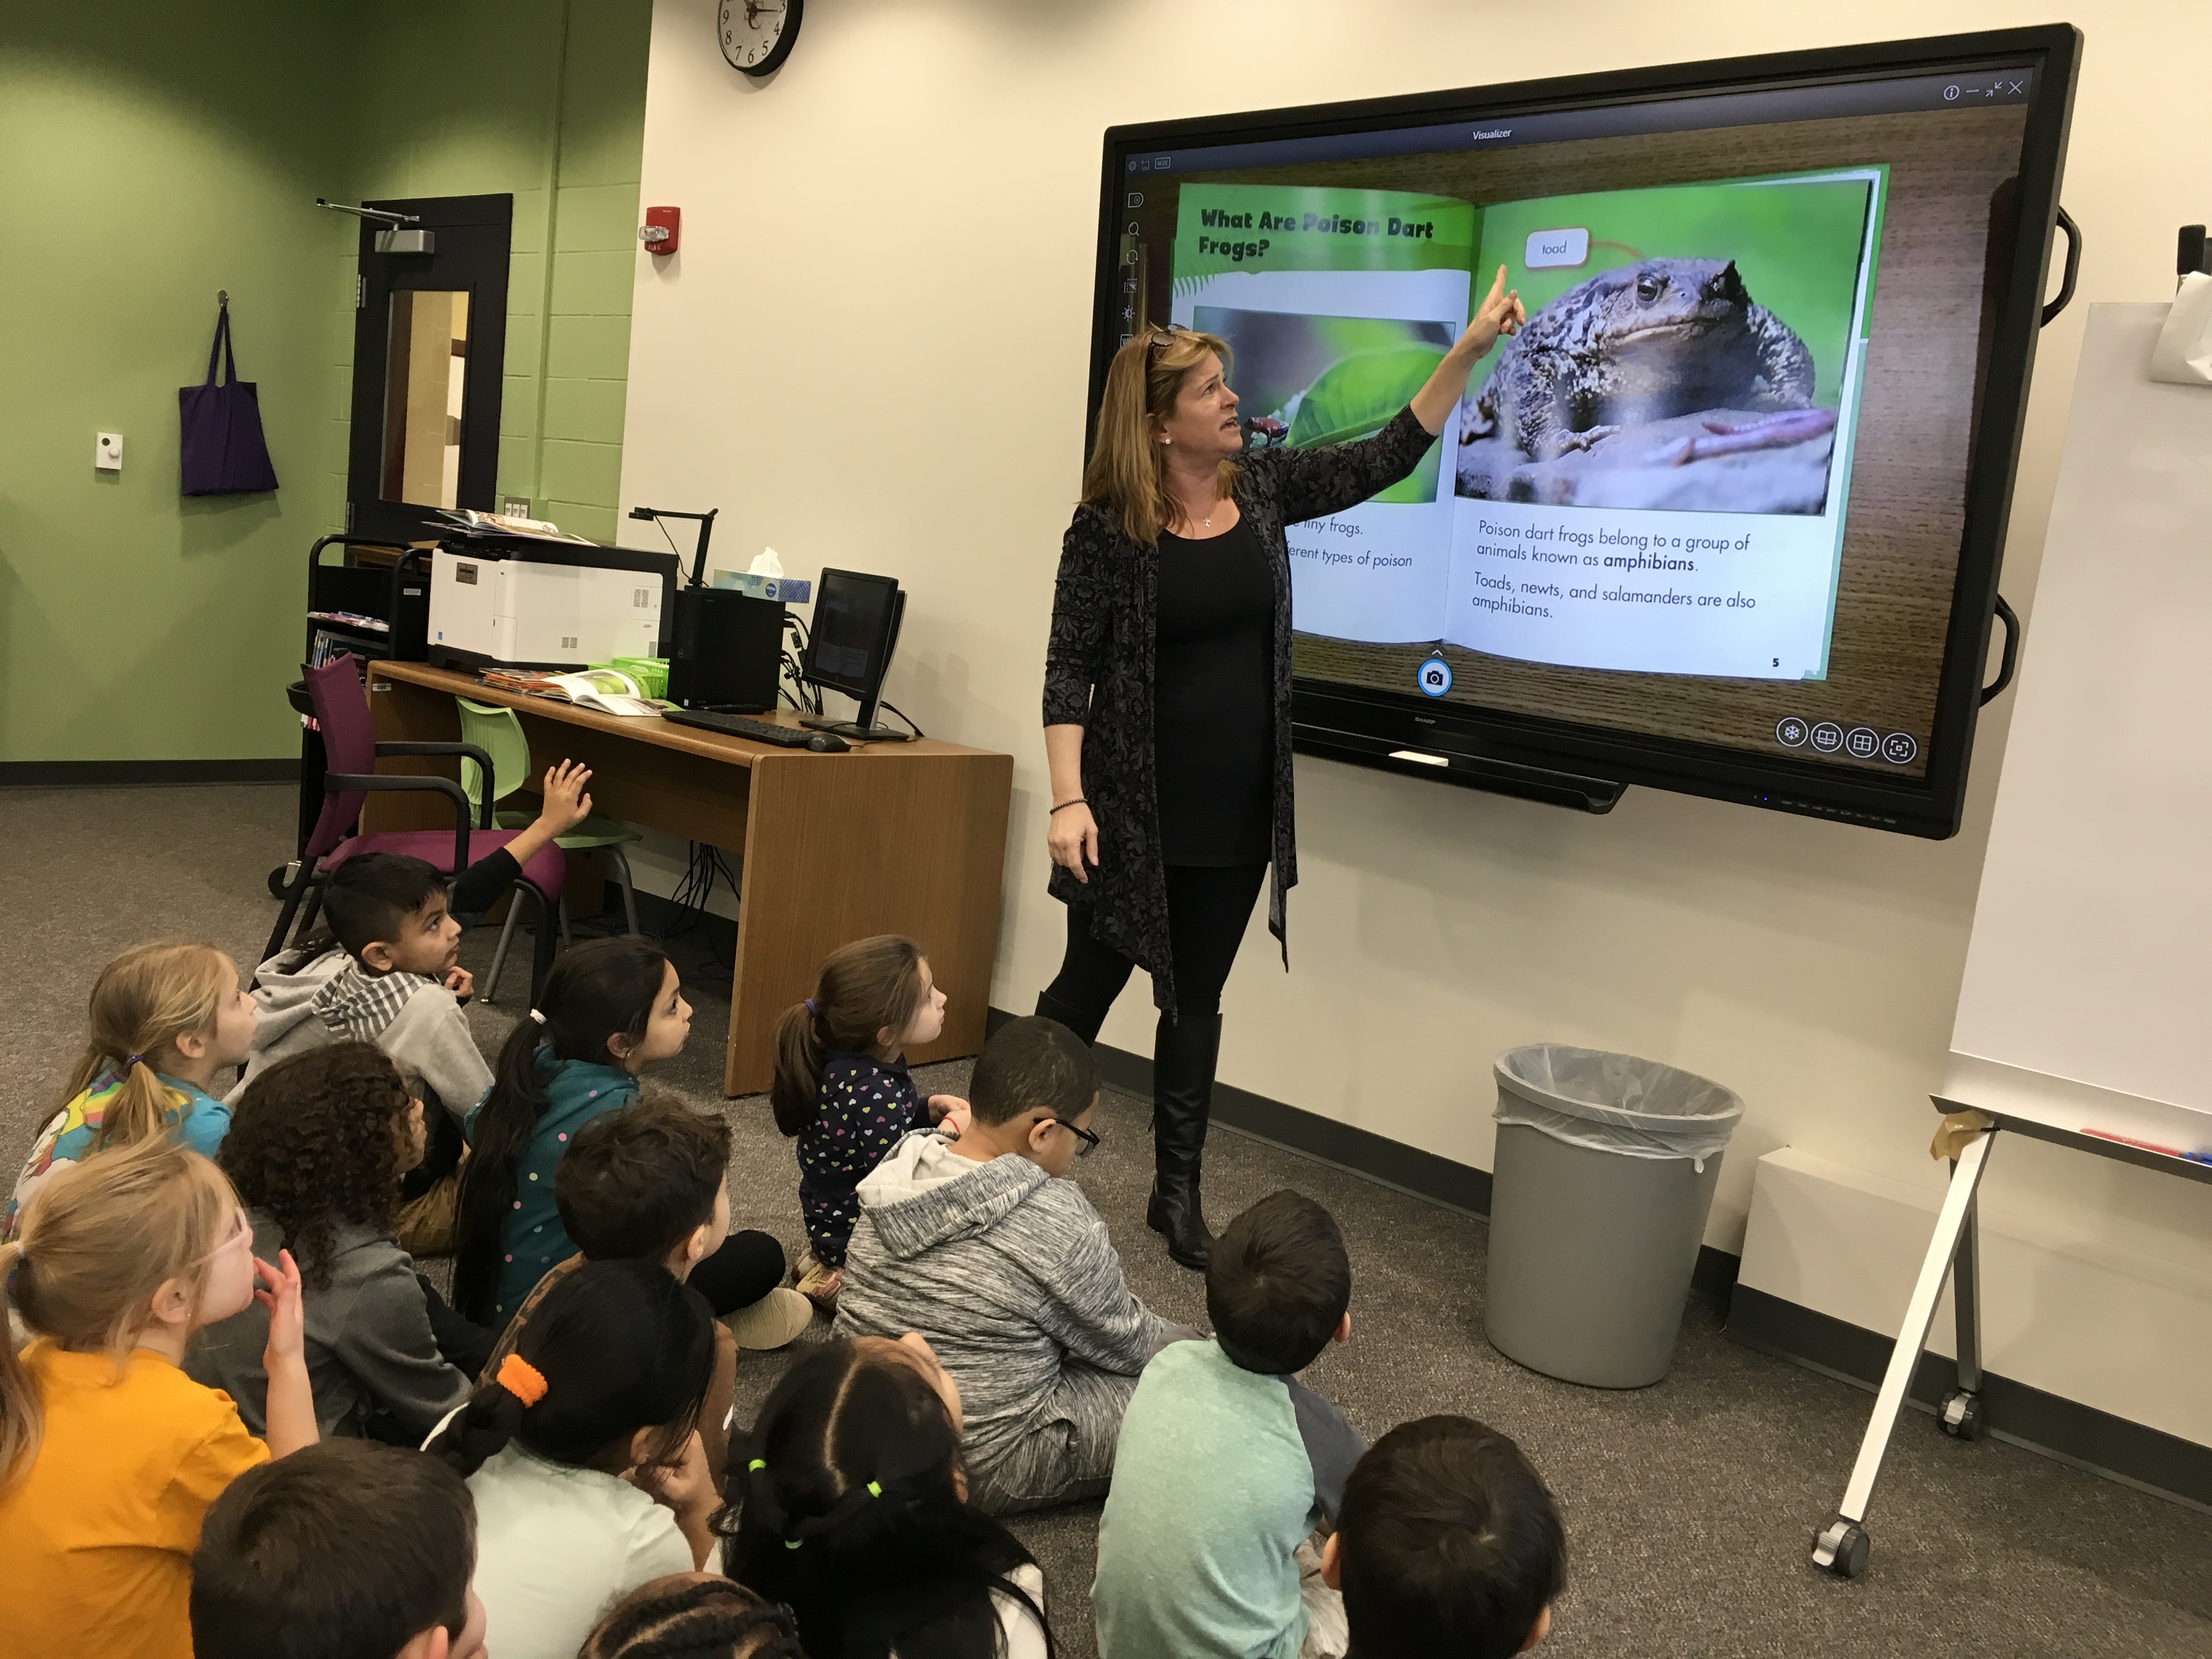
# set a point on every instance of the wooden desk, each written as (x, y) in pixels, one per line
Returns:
(891, 838)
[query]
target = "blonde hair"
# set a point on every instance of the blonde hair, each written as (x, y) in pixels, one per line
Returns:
(141, 1004)
(1128, 472)
(99, 1239)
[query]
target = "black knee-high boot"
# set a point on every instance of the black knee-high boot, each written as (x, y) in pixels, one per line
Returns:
(1085, 1025)
(1183, 1054)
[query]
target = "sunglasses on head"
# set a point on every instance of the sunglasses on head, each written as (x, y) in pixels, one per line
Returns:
(1162, 333)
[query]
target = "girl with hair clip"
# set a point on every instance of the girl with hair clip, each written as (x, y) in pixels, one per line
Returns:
(165, 1020)
(109, 1454)
(610, 1007)
(848, 1503)
(583, 1455)
(842, 1086)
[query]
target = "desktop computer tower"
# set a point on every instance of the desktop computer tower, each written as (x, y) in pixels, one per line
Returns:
(727, 652)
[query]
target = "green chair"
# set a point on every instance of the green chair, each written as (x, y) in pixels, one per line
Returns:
(495, 730)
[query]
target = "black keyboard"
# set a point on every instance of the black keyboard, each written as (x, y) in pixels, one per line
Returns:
(742, 725)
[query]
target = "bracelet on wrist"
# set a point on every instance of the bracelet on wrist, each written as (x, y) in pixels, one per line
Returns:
(1064, 805)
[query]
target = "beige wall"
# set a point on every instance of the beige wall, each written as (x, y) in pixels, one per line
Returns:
(872, 351)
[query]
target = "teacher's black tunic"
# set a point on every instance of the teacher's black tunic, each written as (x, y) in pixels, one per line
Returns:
(1214, 713)
(1101, 674)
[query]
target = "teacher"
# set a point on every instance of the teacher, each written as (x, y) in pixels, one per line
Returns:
(1167, 702)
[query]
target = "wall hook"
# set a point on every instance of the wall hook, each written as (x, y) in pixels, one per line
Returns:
(223, 296)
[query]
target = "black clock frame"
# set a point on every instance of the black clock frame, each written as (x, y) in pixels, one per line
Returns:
(794, 13)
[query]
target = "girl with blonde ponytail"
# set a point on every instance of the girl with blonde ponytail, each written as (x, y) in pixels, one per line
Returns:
(166, 1020)
(109, 1454)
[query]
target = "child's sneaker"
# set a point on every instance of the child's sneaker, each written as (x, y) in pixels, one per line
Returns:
(774, 1321)
(819, 1285)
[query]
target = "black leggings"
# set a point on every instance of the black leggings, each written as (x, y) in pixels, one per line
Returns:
(1208, 907)
(746, 1267)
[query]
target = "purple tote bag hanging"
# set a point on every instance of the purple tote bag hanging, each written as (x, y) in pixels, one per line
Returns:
(223, 451)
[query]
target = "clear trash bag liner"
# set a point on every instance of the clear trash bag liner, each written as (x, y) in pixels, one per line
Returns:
(1614, 1103)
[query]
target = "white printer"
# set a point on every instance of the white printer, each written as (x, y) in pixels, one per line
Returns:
(524, 602)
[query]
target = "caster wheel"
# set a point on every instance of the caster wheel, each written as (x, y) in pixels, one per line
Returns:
(1840, 1549)
(1960, 1415)
(277, 881)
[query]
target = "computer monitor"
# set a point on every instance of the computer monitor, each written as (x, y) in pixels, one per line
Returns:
(848, 649)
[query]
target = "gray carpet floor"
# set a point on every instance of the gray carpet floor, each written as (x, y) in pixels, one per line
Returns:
(1689, 1505)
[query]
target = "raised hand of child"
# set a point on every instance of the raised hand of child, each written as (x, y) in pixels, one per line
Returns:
(951, 1112)
(566, 805)
(286, 1315)
(461, 982)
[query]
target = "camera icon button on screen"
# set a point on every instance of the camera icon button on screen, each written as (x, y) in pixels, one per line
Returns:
(1900, 749)
(1434, 676)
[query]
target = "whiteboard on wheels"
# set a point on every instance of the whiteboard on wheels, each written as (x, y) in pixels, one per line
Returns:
(2088, 997)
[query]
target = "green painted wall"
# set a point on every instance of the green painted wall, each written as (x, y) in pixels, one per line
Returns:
(150, 155)
(148, 159)
(544, 99)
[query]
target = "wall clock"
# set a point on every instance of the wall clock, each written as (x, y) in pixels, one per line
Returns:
(758, 35)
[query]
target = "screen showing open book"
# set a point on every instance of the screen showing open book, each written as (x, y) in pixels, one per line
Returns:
(1716, 493)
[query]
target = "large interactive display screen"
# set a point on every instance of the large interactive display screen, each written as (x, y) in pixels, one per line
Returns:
(1726, 516)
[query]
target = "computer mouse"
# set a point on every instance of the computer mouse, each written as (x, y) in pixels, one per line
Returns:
(828, 743)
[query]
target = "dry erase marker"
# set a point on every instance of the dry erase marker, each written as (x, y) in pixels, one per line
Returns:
(2150, 1146)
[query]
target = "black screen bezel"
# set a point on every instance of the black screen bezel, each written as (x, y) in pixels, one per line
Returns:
(1362, 726)
(880, 648)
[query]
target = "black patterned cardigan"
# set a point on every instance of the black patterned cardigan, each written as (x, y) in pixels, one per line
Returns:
(1098, 675)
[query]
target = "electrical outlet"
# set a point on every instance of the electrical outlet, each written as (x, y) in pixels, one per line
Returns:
(107, 452)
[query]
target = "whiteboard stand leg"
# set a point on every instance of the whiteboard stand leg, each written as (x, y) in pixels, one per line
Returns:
(1841, 1547)
(1960, 1413)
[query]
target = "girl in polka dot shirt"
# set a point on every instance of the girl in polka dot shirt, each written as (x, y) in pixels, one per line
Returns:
(610, 1007)
(842, 1086)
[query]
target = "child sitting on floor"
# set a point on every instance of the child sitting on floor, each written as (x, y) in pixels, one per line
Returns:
(584, 1456)
(693, 1615)
(848, 1504)
(320, 1142)
(109, 1454)
(165, 1020)
(341, 1549)
(1006, 1270)
(842, 1085)
(610, 1008)
(1447, 1542)
(393, 977)
(1227, 1462)
(651, 1183)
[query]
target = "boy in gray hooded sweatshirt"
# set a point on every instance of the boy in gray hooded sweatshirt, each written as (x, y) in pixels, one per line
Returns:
(978, 1244)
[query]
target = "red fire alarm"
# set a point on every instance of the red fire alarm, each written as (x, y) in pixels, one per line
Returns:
(662, 230)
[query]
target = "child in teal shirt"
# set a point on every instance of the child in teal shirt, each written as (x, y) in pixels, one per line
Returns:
(1227, 1462)
(610, 1007)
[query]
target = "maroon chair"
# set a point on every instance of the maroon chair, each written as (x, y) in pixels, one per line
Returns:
(341, 705)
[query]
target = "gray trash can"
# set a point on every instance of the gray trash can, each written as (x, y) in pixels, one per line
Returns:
(1606, 1167)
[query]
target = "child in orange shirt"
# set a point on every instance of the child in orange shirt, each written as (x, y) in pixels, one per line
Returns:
(109, 1454)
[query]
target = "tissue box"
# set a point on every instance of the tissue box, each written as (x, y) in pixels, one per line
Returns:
(790, 590)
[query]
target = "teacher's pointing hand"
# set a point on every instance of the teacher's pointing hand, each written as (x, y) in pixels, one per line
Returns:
(1500, 313)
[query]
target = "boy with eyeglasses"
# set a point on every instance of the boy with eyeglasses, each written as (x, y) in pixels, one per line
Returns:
(979, 1243)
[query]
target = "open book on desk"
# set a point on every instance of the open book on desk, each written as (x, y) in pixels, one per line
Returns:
(605, 690)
